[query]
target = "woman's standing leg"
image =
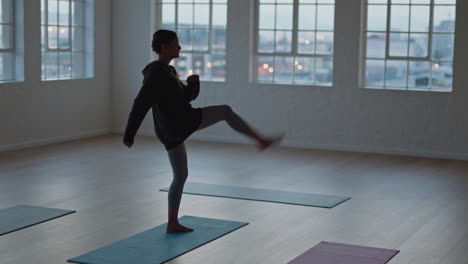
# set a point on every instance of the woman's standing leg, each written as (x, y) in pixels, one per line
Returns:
(178, 159)
(213, 114)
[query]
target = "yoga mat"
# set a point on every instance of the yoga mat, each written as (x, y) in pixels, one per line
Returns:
(156, 246)
(22, 216)
(264, 195)
(333, 253)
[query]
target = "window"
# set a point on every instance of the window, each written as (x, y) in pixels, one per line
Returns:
(409, 44)
(201, 27)
(11, 54)
(66, 39)
(295, 42)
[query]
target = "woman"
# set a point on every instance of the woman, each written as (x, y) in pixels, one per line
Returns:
(175, 119)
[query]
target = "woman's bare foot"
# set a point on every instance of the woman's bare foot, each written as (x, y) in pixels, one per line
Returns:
(269, 141)
(176, 228)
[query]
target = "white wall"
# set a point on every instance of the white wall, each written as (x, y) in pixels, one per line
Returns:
(37, 112)
(342, 117)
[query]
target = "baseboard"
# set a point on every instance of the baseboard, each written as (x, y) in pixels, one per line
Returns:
(47, 141)
(333, 147)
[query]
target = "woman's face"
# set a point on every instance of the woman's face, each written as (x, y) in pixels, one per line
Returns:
(172, 50)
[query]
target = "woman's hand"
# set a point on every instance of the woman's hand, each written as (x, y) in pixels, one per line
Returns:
(193, 79)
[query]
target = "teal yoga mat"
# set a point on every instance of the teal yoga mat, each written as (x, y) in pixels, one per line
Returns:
(22, 216)
(264, 195)
(156, 246)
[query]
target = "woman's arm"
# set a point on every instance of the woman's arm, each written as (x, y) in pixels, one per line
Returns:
(145, 99)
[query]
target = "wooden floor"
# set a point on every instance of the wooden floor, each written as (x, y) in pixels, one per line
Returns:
(416, 205)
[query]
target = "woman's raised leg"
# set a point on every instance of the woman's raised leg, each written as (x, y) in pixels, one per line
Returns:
(213, 114)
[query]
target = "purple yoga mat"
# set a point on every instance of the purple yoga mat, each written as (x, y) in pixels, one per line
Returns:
(334, 253)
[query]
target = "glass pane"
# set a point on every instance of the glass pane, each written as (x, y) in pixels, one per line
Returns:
(53, 37)
(452, 2)
(284, 1)
(77, 39)
(77, 13)
(219, 1)
(5, 37)
(283, 70)
(419, 72)
(400, 18)
(265, 69)
(219, 15)
(307, 1)
(65, 65)
(377, 17)
(304, 70)
(419, 44)
(307, 17)
(201, 1)
(200, 39)
(324, 71)
(267, 17)
(64, 12)
(442, 46)
(267, 1)
(50, 70)
(43, 14)
(183, 65)
(420, 18)
(53, 12)
(5, 11)
(168, 15)
(6, 66)
(185, 15)
(421, 2)
(284, 17)
(400, 1)
(185, 38)
(376, 43)
(219, 39)
(399, 44)
(218, 66)
(202, 19)
(324, 43)
(306, 42)
(444, 18)
(78, 64)
(442, 76)
(64, 38)
(283, 41)
(377, 1)
(266, 41)
(43, 35)
(325, 17)
(375, 73)
(199, 64)
(325, 1)
(396, 73)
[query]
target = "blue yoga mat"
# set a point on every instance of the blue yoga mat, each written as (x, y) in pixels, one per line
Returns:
(264, 195)
(22, 216)
(156, 246)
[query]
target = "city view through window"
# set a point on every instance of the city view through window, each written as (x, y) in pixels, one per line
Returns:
(416, 51)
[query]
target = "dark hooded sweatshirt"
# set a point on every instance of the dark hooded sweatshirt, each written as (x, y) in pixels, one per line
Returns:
(174, 117)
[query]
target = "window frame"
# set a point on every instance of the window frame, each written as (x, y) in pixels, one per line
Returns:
(294, 44)
(408, 59)
(158, 22)
(12, 50)
(86, 68)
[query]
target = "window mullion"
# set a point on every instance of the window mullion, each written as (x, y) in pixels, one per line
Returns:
(70, 36)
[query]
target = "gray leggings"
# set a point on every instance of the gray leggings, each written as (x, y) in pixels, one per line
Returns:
(178, 155)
